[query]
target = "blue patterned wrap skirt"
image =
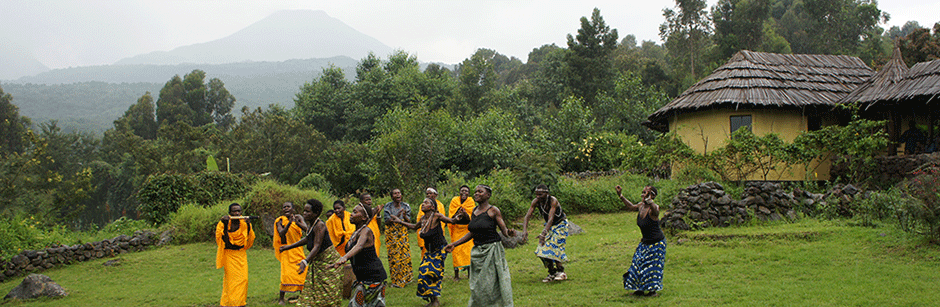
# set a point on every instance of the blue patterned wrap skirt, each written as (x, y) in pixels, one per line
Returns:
(554, 247)
(431, 273)
(646, 271)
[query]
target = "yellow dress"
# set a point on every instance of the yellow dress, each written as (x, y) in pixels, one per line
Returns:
(461, 253)
(374, 225)
(290, 280)
(231, 255)
(340, 230)
(440, 208)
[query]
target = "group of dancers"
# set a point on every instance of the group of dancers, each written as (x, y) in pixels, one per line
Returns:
(349, 242)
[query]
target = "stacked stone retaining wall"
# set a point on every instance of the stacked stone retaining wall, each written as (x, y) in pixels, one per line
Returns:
(32, 261)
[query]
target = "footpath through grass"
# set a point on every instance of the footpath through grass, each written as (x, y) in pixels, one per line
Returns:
(809, 263)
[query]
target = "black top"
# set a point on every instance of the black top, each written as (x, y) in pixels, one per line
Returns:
(545, 208)
(482, 229)
(650, 229)
(324, 243)
(366, 265)
(434, 238)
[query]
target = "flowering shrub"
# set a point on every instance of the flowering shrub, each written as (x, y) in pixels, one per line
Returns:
(922, 216)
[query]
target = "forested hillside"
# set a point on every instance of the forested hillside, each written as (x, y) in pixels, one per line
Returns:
(386, 121)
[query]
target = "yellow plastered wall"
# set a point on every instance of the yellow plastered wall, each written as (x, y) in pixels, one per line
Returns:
(708, 130)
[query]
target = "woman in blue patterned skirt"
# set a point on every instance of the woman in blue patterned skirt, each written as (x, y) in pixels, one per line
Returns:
(431, 271)
(645, 275)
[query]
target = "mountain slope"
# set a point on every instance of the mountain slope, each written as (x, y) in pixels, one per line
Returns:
(284, 35)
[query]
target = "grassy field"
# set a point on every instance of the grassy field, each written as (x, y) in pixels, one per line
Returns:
(809, 263)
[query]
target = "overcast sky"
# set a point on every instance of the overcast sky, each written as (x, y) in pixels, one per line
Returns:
(80, 33)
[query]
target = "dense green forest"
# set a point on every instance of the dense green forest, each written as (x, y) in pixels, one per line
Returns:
(568, 108)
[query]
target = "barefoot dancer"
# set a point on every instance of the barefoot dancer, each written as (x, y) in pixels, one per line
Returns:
(551, 249)
(431, 271)
(645, 275)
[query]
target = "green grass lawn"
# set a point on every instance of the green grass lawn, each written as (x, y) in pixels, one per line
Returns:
(809, 263)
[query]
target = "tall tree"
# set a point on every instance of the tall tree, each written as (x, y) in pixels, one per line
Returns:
(194, 102)
(139, 118)
(476, 77)
(686, 32)
(12, 126)
(739, 25)
(920, 45)
(273, 141)
(839, 25)
(589, 59)
(323, 103)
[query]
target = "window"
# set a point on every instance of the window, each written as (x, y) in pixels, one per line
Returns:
(739, 121)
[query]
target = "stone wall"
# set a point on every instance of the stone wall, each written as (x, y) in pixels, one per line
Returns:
(32, 261)
(707, 205)
(887, 169)
(704, 205)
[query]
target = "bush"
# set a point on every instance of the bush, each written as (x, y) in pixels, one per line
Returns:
(597, 194)
(314, 181)
(193, 223)
(213, 187)
(25, 232)
(507, 193)
(922, 215)
(266, 198)
(878, 206)
(163, 194)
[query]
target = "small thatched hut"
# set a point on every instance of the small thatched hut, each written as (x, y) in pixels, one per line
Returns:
(767, 92)
(901, 96)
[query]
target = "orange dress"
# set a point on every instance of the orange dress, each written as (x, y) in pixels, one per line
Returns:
(290, 280)
(235, 261)
(340, 231)
(461, 253)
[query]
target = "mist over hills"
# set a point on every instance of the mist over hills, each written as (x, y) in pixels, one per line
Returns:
(15, 64)
(284, 35)
(262, 64)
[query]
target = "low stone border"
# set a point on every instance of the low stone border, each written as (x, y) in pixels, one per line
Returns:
(32, 261)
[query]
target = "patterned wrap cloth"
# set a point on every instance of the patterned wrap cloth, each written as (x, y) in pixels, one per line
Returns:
(554, 247)
(399, 254)
(646, 271)
(368, 294)
(490, 283)
(323, 286)
(430, 274)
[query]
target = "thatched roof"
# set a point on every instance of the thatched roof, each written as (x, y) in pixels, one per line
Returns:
(922, 81)
(760, 79)
(881, 87)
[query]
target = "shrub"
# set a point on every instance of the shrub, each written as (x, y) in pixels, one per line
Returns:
(922, 216)
(266, 198)
(194, 223)
(598, 194)
(162, 194)
(314, 181)
(507, 193)
(213, 187)
(878, 206)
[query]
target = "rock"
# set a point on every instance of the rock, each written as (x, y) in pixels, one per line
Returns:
(166, 237)
(35, 286)
(20, 260)
(113, 262)
(850, 189)
(574, 229)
